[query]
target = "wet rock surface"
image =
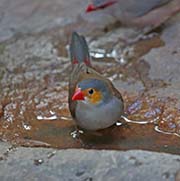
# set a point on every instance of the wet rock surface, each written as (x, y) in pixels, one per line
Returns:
(73, 164)
(34, 70)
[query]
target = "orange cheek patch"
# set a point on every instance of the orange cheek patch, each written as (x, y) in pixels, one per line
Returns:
(95, 98)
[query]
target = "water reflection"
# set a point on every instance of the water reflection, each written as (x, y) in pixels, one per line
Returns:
(136, 122)
(53, 117)
(156, 128)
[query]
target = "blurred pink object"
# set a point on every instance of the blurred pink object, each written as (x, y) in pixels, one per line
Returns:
(137, 12)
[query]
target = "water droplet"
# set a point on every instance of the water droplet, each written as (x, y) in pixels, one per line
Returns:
(26, 127)
(118, 123)
(38, 161)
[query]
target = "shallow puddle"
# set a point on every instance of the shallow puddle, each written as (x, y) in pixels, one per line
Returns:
(148, 124)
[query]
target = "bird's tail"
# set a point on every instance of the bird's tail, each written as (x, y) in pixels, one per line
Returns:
(79, 51)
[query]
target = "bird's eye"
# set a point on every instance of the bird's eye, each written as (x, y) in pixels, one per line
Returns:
(91, 91)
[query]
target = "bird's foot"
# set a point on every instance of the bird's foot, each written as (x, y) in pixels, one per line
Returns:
(76, 133)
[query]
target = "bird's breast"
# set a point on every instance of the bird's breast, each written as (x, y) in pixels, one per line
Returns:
(93, 117)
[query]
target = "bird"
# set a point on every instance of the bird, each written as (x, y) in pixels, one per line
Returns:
(94, 102)
(140, 13)
(99, 4)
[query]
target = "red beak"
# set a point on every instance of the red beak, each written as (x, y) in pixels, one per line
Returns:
(92, 7)
(78, 95)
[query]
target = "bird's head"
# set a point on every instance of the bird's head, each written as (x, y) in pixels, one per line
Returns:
(92, 91)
